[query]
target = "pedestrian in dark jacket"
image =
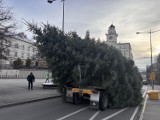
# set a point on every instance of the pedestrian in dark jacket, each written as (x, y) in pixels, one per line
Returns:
(30, 79)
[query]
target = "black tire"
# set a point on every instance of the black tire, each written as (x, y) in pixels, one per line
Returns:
(64, 92)
(77, 98)
(103, 101)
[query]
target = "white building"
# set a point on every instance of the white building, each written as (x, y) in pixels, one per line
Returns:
(19, 47)
(125, 48)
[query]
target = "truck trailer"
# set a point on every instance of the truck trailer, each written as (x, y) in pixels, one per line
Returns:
(96, 96)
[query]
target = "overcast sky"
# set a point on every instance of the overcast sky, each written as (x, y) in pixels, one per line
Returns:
(128, 16)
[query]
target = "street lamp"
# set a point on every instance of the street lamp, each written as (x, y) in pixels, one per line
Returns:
(150, 32)
(50, 1)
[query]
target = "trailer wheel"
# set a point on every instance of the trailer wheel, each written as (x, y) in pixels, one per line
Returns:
(103, 101)
(77, 98)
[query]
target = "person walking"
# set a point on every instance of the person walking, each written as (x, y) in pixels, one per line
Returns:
(47, 78)
(30, 79)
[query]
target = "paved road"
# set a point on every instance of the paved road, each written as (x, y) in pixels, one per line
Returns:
(55, 109)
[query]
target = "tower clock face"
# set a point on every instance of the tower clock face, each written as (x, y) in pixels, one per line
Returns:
(110, 37)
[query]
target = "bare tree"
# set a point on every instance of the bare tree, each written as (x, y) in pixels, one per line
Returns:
(7, 27)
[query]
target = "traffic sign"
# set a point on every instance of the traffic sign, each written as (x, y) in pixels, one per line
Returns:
(152, 76)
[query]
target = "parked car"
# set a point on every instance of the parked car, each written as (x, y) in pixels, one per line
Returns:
(145, 82)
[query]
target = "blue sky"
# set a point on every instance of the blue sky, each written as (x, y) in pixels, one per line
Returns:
(128, 16)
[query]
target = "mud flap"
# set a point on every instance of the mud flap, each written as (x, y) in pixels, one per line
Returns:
(69, 95)
(94, 100)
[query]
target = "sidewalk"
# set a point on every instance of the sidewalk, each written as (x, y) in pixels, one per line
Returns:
(152, 107)
(14, 92)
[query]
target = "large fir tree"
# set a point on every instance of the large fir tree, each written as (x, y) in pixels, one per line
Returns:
(68, 56)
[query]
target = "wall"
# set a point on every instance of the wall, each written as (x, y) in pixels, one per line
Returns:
(9, 73)
(22, 74)
(37, 73)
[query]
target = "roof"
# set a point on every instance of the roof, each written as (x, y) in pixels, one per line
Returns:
(112, 26)
(21, 37)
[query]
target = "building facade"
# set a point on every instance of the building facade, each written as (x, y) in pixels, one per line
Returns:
(19, 46)
(111, 40)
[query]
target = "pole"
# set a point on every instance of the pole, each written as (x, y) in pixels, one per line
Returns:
(63, 17)
(152, 74)
(50, 1)
(80, 77)
(151, 46)
(151, 58)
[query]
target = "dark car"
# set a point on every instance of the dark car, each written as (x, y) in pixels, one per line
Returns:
(145, 82)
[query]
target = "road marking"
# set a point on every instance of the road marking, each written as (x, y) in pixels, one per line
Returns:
(136, 110)
(134, 114)
(144, 106)
(112, 115)
(72, 113)
(92, 118)
(145, 91)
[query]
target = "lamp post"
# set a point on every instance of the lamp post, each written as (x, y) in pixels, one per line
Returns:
(50, 1)
(150, 33)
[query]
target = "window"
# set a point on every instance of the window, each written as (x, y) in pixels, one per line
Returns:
(110, 32)
(8, 52)
(9, 43)
(15, 54)
(16, 45)
(22, 47)
(28, 55)
(22, 55)
(34, 56)
(5, 41)
(28, 48)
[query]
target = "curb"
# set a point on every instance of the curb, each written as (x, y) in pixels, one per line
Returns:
(29, 101)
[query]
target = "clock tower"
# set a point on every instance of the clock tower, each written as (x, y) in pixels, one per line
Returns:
(112, 35)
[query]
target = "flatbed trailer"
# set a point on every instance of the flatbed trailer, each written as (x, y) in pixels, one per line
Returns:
(97, 97)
